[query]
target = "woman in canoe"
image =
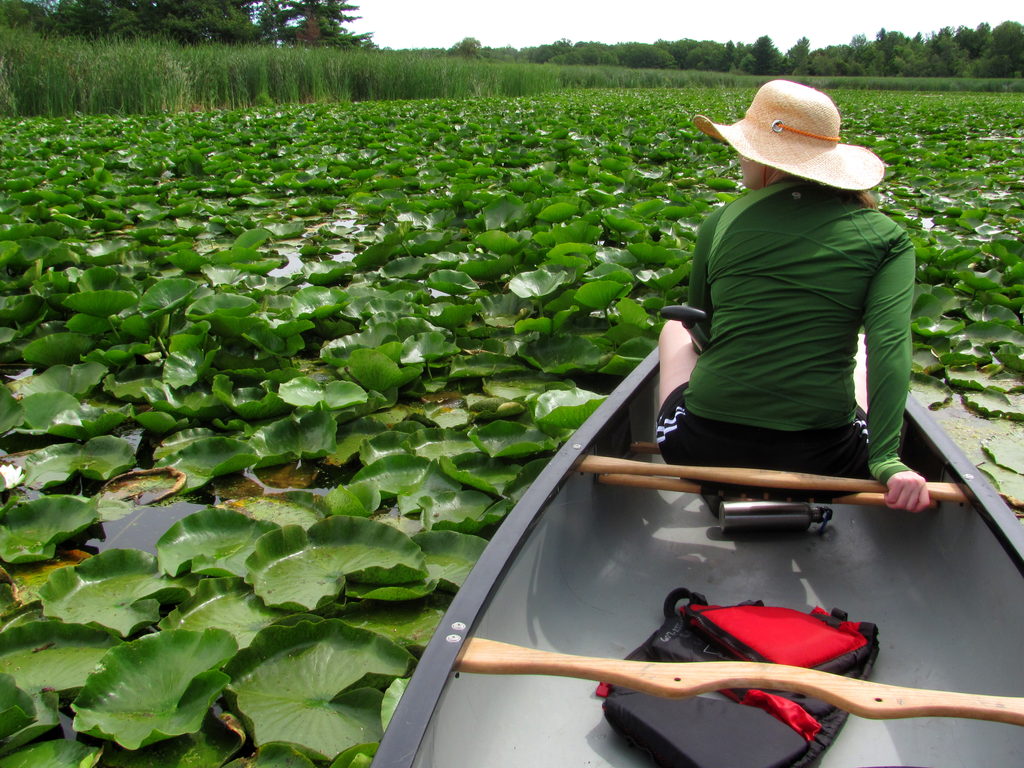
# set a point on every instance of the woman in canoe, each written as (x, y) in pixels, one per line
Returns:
(788, 274)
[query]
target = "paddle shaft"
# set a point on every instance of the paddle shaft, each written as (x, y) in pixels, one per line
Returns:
(762, 478)
(685, 486)
(875, 701)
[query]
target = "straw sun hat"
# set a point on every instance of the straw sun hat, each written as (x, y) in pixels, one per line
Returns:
(796, 129)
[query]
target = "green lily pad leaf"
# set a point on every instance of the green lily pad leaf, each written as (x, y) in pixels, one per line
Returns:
(251, 403)
(504, 211)
(276, 755)
(51, 654)
(11, 412)
(154, 688)
(361, 755)
(120, 589)
(167, 295)
(557, 212)
(427, 347)
(391, 698)
(463, 511)
(306, 684)
(600, 294)
(212, 541)
(559, 411)
(221, 305)
(410, 624)
(303, 570)
(72, 380)
(58, 413)
(479, 471)
(356, 500)
(932, 392)
(98, 459)
(104, 303)
(394, 474)
(996, 404)
(304, 436)
(509, 439)
(32, 529)
(539, 283)
(59, 753)
(207, 458)
(277, 509)
(223, 603)
(376, 371)
(24, 716)
(563, 354)
(1007, 452)
(450, 555)
(393, 593)
(941, 326)
(452, 282)
(333, 394)
(212, 745)
(16, 708)
(57, 349)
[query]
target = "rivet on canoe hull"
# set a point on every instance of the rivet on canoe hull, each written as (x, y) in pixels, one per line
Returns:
(459, 626)
(454, 639)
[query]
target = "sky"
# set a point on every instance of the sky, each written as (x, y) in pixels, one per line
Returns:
(527, 23)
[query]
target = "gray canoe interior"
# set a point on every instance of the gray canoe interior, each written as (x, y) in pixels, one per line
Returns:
(592, 575)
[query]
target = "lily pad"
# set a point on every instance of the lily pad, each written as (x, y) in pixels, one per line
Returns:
(120, 589)
(303, 570)
(154, 688)
(314, 684)
(32, 529)
(450, 555)
(227, 604)
(464, 511)
(51, 654)
(98, 459)
(212, 541)
(58, 753)
(1007, 452)
(212, 745)
(509, 439)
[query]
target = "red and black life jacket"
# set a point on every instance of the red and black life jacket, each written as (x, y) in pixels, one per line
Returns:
(750, 728)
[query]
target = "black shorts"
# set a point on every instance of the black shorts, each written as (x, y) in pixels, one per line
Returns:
(686, 438)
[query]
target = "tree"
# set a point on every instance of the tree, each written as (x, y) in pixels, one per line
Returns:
(468, 47)
(311, 22)
(644, 56)
(1005, 57)
(764, 58)
(798, 55)
(19, 14)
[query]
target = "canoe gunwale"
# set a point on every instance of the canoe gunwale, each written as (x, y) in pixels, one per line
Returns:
(408, 727)
(987, 502)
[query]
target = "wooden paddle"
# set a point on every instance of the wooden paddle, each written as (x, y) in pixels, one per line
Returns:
(875, 701)
(761, 478)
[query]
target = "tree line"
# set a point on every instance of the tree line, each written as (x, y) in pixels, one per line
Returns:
(191, 22)
(983, 52)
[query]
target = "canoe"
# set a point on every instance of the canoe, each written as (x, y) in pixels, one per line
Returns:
(581, 567)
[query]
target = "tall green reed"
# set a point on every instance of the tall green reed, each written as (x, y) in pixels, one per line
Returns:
(61, 76)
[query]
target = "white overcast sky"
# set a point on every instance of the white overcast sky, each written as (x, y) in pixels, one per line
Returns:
(525, 23)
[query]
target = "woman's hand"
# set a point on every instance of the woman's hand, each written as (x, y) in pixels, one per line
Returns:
(907, 490)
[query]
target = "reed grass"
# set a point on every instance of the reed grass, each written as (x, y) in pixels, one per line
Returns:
(61, 76)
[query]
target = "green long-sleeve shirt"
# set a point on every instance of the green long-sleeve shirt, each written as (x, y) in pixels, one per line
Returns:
(788, 276)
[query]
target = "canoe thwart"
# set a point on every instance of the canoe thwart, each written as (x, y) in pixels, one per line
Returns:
(876, 701)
